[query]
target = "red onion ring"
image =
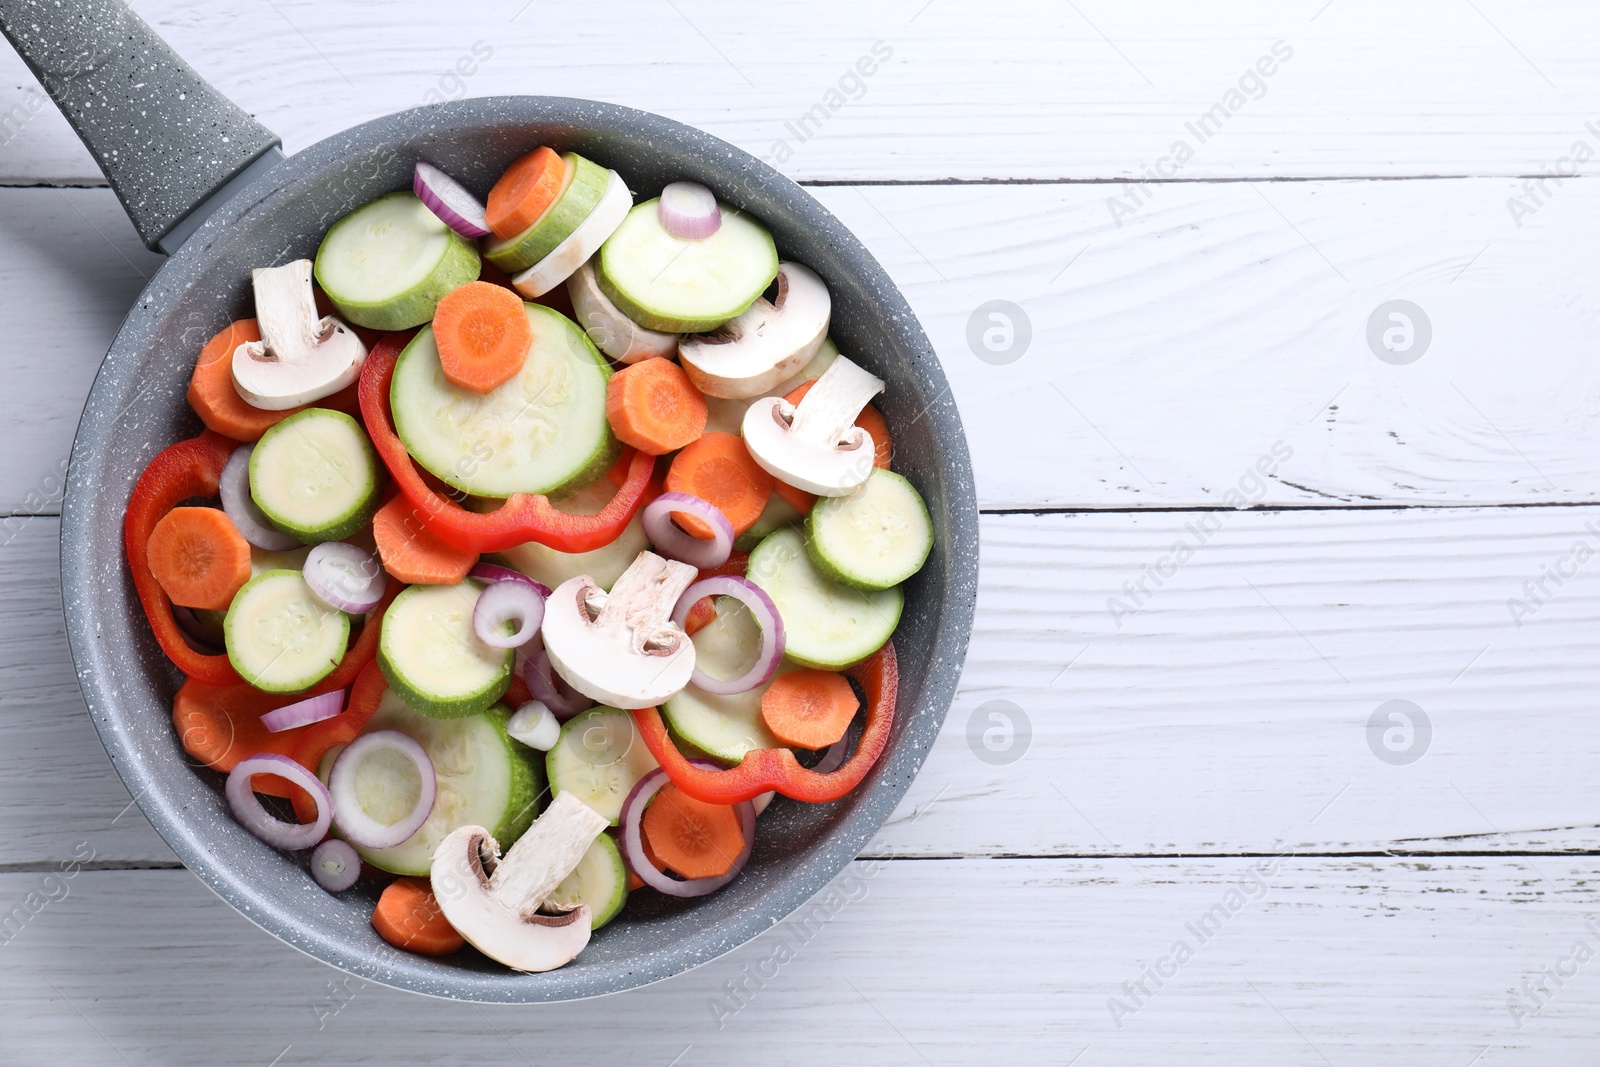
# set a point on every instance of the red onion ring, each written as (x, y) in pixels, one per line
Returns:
(761, 606)
(552, 690)
(833, 756)
(304, 712)
(493, 572)
(449, 199)
(675, 543)
(233, 486)
(632, 840)
(352, 820)
(335, 865)
(247, 808)
(344, 577)
(507, 601)
(689, 211)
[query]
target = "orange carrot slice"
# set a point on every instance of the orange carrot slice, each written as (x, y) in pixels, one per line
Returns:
(219, 725)
(411, 553)
(408, 916)
(212, 393)
(483, 336)
(809, 708)
(693, 838)
(718, 468)
(524, 192)
(653, 406)
(199, 557)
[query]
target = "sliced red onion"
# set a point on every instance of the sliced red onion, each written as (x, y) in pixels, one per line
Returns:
(240, 507)
(674, 543)
(503, 602)
(632, 840)
(493, 572)
(552, 690)
(760, 803)
(353, 821)
(335, 865)
(304, 712)
(688, 211)
(833, 756)
(345, 577)
(535, 726)
(449, 199)
(247, 808)
(765, 611)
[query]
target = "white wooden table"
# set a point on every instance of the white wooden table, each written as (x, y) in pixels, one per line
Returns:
(1197, 850)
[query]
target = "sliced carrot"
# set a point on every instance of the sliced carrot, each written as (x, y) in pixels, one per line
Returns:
(653, 406)
(408, 916)
(483, 336)
(870, 420)
(693, 838)
(411, 553)
(718, 468)
(809, 708)
(523, 193)
(199, 557)
(219, 725)
(212, 393)
(703, 612)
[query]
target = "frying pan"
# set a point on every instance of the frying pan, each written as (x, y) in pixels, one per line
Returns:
(209, 186)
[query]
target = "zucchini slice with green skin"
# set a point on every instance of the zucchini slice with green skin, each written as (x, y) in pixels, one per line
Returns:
(388, 263)
(484, 779)
(586, 184)
(724, 727)
(600, 880)
(876, 537)
(432, 658)
(775, 516)
(665, 283)
(544, 431)
(826, 624)
(599, 757)
(315, 476)
(280, 637)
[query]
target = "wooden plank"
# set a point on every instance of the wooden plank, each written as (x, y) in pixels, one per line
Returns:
(1303, 961)
(1095, 90)
(1227, 712)
(1168, 359)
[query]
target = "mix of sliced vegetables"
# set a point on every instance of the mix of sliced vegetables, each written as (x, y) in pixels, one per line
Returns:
(520, 587)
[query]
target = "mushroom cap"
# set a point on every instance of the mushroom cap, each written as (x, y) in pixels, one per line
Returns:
(806, 462)
(461, 885)
(764, 345)
(276, 384)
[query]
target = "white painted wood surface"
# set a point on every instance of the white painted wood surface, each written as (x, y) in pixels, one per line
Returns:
(1223, 720)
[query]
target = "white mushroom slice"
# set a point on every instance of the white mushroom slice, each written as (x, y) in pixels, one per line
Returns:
(766, 344)
(622, 648)
(493, 901)
(300, 358)
(611, 331)
(816, 445)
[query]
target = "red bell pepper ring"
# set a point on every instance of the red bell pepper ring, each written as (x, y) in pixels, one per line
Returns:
(775, 769)
(188, 469)
(522, 518)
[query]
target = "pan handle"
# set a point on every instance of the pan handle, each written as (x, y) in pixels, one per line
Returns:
(164, 137)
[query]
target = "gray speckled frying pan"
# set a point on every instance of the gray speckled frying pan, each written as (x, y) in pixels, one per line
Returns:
(205, 183)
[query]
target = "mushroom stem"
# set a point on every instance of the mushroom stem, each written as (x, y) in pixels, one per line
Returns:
(828, 412)
(816, 445)
(300, 358)
(527, 875)
(286, 309)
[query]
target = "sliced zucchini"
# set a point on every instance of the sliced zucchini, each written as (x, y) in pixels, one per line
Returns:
(605, 564)
(429, 653)
(484, 779)
(599, 758)
(600, 880)
(315, 476)
(876, 537)
(280, 637)
(724, 727)
(585, 185)
(544, 431)
(666, 283)
(775, 516)
(826, 624)
(387, 264)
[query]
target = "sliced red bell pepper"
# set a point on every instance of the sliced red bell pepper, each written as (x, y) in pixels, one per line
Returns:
(522, 518)
(775, 769)
(191, 469)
